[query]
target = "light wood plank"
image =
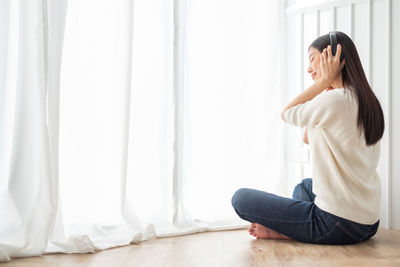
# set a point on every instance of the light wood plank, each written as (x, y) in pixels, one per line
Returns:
(230, 248)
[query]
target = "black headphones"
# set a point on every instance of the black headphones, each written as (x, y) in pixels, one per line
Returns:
(334, 43)
(332, 37)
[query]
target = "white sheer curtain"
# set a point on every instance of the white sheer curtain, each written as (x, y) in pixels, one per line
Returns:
(166, 108)
(30, 54)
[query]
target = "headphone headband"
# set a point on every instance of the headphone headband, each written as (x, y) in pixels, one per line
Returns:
(333, 39)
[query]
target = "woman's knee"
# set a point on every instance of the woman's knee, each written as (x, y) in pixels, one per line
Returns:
(240, 198)
(306, 182)
(297, 192)
(303, 190)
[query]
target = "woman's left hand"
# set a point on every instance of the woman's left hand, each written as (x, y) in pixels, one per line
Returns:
(330, 66)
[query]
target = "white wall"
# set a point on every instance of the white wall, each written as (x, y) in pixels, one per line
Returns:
(374, 26)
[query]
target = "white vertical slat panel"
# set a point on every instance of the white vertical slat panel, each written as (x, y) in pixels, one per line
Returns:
(301, 80)
(324, 21)
(300, 35)
(293, 88)
(389, 81)
(393, 12)
(374, 26)
(352, 21)
(306, 168)
(370, 36)
(361, 33)
(310, 34)
(332, 26)
(380, 86)
(343, 19)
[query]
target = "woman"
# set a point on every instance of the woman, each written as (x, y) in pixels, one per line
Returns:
(340, 204)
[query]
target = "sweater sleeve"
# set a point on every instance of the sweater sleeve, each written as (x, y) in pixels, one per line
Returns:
(321, 111)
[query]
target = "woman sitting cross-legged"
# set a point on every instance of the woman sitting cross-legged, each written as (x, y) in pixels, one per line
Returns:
(344, 124)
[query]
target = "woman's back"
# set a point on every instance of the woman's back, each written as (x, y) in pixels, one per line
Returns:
(345, 180)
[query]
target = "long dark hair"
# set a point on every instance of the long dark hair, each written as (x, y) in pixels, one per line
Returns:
(370, 114)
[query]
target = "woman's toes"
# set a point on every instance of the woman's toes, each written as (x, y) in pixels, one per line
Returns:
(252, 228)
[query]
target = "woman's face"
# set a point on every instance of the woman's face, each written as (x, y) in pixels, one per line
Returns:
(314, 57)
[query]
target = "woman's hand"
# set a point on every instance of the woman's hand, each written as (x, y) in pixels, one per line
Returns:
(330, 70)
(305, 137)
(330, 66)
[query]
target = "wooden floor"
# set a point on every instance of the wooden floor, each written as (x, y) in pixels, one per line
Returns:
(230, 248)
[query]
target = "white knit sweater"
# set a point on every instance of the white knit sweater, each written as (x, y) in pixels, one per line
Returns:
(345, 180)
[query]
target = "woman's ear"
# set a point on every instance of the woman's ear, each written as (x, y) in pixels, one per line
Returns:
(342, 65)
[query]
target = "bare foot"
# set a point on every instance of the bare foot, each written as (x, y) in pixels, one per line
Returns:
(260, 231)
(252, 228)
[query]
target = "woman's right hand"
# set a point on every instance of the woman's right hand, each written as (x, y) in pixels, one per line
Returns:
(330, 66)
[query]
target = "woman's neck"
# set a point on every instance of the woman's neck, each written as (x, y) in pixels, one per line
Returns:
(338, 83)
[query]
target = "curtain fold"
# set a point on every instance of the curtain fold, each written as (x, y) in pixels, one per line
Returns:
(139, 120)
(30, 48)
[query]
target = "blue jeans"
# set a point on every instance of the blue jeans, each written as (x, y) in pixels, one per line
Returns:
(298, 217)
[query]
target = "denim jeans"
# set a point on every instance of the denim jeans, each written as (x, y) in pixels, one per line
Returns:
(298, 217)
